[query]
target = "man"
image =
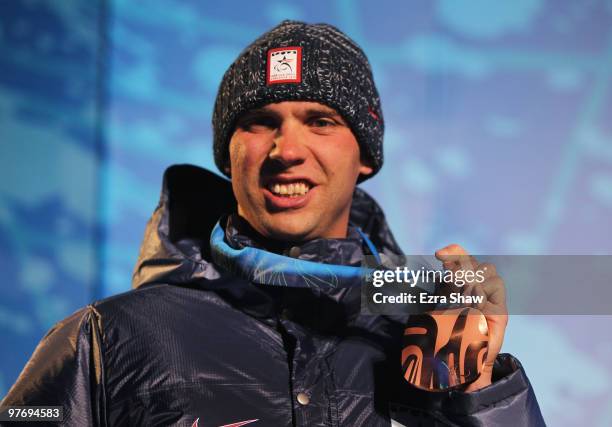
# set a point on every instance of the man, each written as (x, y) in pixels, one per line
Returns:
(245, 309)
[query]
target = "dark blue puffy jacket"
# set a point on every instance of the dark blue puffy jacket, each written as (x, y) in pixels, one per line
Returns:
(213, 344)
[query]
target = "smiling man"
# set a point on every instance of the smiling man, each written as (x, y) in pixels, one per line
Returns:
(294, 166)
(246, 307)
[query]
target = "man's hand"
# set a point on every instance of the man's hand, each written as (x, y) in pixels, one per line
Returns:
(454, 258)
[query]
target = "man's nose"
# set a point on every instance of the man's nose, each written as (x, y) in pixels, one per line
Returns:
(289, 148)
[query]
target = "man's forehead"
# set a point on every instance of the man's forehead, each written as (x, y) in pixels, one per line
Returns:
(296, 106)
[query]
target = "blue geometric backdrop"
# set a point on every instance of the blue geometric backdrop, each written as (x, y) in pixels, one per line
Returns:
(499, 137)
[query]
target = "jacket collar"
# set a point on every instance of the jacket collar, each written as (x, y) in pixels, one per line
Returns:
(348, 251)
(268, 268)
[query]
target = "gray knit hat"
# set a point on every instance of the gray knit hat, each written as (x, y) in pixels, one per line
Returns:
(307, 62)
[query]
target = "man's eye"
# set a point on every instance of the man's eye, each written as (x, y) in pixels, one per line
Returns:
(322, 122)
(258, 123)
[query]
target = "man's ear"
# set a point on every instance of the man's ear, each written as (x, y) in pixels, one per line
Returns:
(365, 168)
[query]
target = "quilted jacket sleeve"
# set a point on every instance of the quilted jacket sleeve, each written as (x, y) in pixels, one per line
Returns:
(65, 370)
(509, 401)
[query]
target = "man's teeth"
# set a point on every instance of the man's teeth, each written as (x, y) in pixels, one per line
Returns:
(290, 190)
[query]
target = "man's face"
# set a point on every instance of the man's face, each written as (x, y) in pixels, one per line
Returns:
(294, 166)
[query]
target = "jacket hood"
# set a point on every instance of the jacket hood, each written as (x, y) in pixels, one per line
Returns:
(176, 248)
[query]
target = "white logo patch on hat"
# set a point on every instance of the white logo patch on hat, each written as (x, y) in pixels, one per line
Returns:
(284, 65)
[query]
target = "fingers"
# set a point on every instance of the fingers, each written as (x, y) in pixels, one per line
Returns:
(495, 291)
(488, 270)
(488, 284)
(478, 291)
(492, 286)
(452, 249)
(455, 257)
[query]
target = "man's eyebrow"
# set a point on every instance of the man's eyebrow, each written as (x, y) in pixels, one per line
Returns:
(325, 112)
(259, 112)
(255, 114)
(309, 112)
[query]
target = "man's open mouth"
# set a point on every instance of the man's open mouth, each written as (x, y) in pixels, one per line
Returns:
(292, 189)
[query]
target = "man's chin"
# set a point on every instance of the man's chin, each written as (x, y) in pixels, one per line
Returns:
(289, 231)
(289, 235)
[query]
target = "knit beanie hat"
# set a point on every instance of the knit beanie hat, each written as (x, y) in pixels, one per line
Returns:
(296, 61)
